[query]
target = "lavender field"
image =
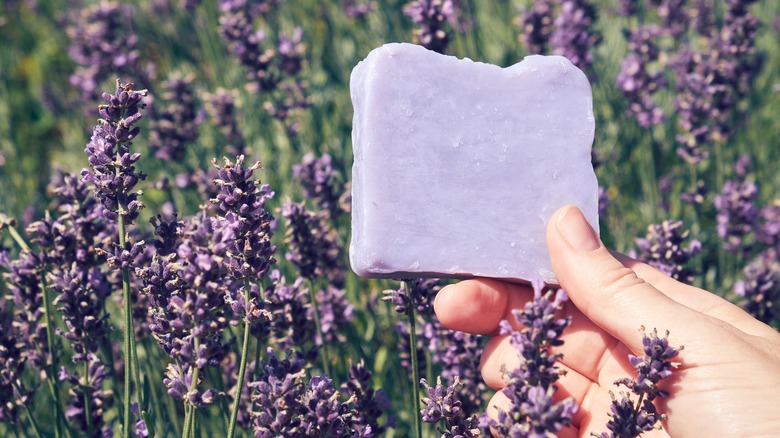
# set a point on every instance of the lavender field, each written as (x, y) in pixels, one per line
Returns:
(175, 202)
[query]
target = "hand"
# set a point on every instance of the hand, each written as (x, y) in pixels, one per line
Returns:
(729, 380)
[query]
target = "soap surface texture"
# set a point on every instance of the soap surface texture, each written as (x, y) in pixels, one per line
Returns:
(458, 165)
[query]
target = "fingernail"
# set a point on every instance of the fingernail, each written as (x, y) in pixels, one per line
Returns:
(438, 294)
(577, 231)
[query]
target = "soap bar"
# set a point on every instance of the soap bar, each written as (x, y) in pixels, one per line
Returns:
(458, 165)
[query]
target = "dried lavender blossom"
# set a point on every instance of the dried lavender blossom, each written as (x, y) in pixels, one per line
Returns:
(663, 249)
(112, 172)
(442, 404)
(530, 387)
(630, 417)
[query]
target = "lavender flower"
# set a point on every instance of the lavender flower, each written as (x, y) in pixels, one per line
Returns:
(357, 9)
(738, 213)
(87, 389)
(13, 391)
(430, 16)
(272, 71)
(111, 163)
(103, 43)
(536, 26)
(277, 397)
(574, 36)
(663, 249)
(290, 310)
(242, 201)
(768, 231)
(760, 287)
(629, 418)
(313, 246)
(711, 82)
(325, 414)
(635, 79)
(186, 292)
(23, 280)
(369, 404)
(321, 183)
(222, 109)
(175, 125)
(442, 403)
(696, 195)
(336, 313)
(673, 14)
(532, 410)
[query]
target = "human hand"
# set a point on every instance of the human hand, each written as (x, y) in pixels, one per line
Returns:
(728, 383)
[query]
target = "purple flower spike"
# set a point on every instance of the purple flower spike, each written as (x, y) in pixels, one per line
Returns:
(532, 411)
(321, 183)
(430, 16)
(536, 26)
(442, 403)
(760, 287)
(111, 170)
(242, 201)
(635, 79)
(663, 249)
(574, 36)
(629, 418)
(175, 125)
(738, 214)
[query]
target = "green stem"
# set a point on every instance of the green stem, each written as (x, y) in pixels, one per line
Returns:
(47, 313)
(32, 421)
(129, 334)
(188, 420)
(185, 433)
(325, 358)
(18, 238)
(415, 371)
(241, 367)
(87, 407)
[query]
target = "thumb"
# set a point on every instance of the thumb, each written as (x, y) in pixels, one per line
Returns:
(608, 293)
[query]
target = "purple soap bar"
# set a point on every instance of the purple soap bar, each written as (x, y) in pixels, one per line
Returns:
(459, 164)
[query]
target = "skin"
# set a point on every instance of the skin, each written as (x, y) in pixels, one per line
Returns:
(728, 383)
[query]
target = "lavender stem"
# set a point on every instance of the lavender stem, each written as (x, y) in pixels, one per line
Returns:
(413, 353)
(325, 358)
(87, 397)
(241, 367)
(129, 332)
(49, 339)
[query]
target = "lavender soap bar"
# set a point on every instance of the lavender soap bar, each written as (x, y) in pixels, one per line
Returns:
(458, 165)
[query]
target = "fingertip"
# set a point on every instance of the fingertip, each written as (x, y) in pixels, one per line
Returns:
(473, 306)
